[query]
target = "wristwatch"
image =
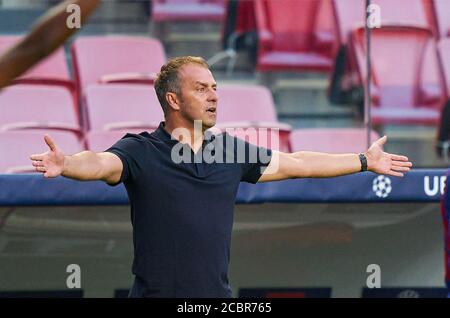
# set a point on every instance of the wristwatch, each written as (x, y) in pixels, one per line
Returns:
(363, 160)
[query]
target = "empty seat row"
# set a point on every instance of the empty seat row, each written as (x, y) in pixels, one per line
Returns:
(287, 43)
(328, 36)
(306, 35)
(124, 106)
(15, 159)
(407, 88)
(98, 60)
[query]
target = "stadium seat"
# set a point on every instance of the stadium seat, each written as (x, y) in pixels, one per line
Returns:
(407, 87)
(331, 140)
(350, 15)
(16, 159)
(122, 106)
(99, 141)
(116, 59)
(188, 10)
(290, 38)
(52, 70)
(252, 107)
(37, 106)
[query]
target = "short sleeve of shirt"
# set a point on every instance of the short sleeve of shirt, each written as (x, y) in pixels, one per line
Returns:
(128, 149)
(253, 160)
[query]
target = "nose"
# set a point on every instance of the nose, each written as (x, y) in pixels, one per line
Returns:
(212, 97)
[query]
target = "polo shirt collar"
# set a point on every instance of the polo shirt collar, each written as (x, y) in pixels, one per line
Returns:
(162, 134)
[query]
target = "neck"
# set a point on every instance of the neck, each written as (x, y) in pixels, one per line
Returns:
(185, 132)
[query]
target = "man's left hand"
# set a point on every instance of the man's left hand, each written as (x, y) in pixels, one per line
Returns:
(382, 162)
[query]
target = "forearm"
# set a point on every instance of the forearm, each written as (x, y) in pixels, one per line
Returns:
(48, 34)
(85, 165)
(323, 165)
(306, 164)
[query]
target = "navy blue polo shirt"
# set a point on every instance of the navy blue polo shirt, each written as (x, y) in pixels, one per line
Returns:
(182, 211)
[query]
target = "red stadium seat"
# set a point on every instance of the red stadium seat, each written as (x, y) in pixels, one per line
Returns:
(331, 140)
(37, 106)
(121, 106)
(250, 106)
(408, 87)
(444, 54)
(52, 70)
(99, 141)
(116, 59)
(16, 159)
(350, 15)
(188, 10)
(291, 38)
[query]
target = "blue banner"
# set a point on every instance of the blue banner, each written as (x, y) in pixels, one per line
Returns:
(420, 185)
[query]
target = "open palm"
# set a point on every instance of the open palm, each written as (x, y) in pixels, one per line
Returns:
(385, 163)
(51, 163)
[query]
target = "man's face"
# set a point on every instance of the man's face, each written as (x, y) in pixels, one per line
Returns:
(198, 94)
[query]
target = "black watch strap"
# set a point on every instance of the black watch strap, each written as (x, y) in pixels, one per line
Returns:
(363, 160)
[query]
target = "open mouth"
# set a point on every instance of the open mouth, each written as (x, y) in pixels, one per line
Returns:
(211, 110)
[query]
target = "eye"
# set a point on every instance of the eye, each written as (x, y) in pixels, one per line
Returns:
(201, 89)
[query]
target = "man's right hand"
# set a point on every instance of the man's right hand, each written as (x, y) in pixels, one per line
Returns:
(51, 163)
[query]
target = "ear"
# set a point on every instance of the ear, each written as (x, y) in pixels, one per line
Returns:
(173, 101)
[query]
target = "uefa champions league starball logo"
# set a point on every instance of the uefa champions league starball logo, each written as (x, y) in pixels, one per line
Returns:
(408, 293)
(382, 186)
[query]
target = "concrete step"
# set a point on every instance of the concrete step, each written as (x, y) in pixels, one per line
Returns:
(205, 49)
(307, 97)
(317, 122)
(420, 151)
(188, 38)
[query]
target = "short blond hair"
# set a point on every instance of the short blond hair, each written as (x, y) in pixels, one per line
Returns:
(167, 79)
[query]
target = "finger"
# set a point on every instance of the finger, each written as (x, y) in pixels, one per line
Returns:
(41, 169)
(401, 169)
(50, 143)
(402, 164)
(38, 156)
(395, 174)
(399, 158)
(382, 140)
(37, 163)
